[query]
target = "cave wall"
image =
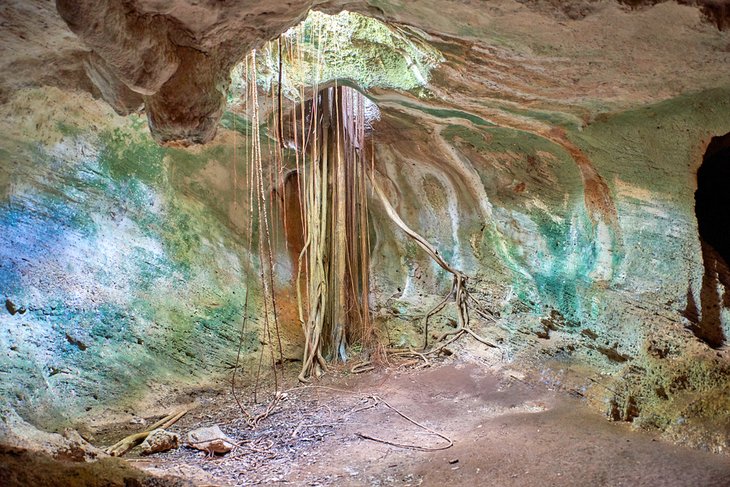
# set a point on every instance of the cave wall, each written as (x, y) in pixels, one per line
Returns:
(509, 205)
(123, 263)
(622, 295)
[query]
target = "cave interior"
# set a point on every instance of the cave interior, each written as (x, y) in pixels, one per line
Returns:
(443, 242)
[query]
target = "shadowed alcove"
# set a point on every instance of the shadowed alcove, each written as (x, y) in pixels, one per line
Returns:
(712, 206)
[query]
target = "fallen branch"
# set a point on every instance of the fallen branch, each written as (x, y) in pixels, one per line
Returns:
(123, 446)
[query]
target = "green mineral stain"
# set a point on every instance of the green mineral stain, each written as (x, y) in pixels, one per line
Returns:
(236, 122)
(131, 155)
(446, 113)
(69, 130)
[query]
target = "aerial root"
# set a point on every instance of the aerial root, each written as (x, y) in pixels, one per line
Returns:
(409, 352)
(462, 298)
(363, 366)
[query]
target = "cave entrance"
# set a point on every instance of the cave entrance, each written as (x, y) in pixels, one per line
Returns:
(712, 208)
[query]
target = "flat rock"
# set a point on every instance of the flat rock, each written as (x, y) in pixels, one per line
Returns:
(210, 439)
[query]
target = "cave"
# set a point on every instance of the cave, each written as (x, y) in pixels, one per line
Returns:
(441, 242)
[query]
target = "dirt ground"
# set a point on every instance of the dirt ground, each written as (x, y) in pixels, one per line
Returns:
(505, 431)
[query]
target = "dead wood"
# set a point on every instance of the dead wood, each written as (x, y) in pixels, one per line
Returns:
(458, 288)
(124, 445)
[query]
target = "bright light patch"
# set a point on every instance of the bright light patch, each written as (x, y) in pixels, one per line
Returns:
(349, 48)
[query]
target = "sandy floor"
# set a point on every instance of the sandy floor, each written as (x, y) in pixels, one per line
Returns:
(505, 432)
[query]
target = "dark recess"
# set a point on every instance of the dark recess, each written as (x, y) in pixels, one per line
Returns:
(712, 207)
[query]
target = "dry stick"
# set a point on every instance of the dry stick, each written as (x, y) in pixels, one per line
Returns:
(458, 286)
(379, 400)
(123, 446)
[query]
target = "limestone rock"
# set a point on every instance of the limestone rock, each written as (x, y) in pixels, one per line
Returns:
(188, 107)
(211, 440)
(143, 46)
(158, 441)
(10, 306)
(18, 434)
(113, 90)
(134, 45)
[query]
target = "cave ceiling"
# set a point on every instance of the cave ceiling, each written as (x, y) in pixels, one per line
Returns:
(575, 59)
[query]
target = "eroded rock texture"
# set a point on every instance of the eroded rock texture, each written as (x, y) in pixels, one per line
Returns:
(178, 55)
(553, 156)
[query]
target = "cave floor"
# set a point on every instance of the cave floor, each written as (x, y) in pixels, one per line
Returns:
(506, 432)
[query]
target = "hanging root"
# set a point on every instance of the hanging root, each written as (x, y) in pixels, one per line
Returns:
(458, 287)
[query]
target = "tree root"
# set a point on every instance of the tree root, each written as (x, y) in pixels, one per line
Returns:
(459, 290)
(409, 352)
(123, 446)
(253, 421)
(363, 366)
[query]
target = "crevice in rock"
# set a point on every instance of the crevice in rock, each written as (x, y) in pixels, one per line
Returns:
(712, 205)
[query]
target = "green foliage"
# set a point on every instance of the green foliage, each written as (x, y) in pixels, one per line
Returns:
(348, 48)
